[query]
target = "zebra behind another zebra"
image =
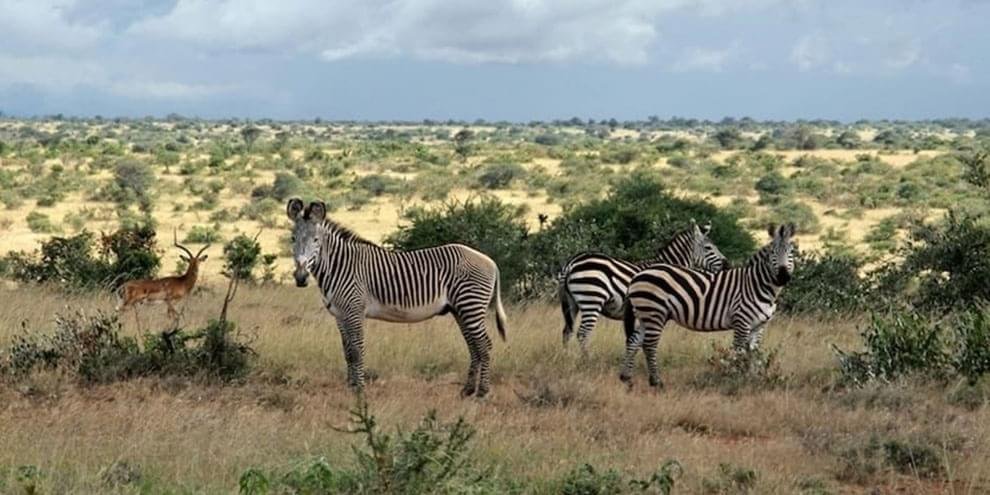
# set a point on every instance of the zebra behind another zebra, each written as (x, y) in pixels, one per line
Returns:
(740, 299)
(360, 279)
(593, 284)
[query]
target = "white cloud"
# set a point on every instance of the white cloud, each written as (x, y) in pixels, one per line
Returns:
(703, 59)
(811, 51)
(502, 31)
(40, 26)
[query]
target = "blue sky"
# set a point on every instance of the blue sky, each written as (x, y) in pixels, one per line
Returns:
(499, 60)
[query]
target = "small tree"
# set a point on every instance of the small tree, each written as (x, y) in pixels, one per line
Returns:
(250, 134)
(241, 256)
(462, 143)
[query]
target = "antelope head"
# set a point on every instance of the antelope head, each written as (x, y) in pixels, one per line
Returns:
(193, 261)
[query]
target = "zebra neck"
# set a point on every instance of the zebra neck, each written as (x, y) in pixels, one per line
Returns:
(762, 279)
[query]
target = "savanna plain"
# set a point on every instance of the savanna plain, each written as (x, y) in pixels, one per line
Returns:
(820, 409)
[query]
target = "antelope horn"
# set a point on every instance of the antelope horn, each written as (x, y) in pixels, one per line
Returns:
(204, 249)
(175, 240)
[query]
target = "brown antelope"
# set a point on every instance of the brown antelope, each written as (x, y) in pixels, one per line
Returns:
(169, 290)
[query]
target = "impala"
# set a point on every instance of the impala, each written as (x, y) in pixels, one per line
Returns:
(169, 290)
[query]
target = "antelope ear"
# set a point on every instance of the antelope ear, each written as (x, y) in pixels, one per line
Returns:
(293, 207)
(316, 211)
(203, 257)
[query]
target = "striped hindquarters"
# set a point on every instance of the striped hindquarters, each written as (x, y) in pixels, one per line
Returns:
(595, 279)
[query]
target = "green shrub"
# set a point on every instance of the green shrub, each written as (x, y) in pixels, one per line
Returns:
(825, 283)
(39, 223)
(92, 349)
(260, 209)
(285, 186)
(971, 346)
(587, 480)
(432, 458)
(791, 210)
(203, 234)
(731, 371)
(772, 187)
(499, 175)
(125, 254)
(378, 184)
(861, 463)
(729, 479)
(132, 181)
(896, 344)
(241, 256)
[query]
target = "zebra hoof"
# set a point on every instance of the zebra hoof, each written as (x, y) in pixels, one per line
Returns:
(467, 391)
(627, 379)
(482, 393)
(656, 383)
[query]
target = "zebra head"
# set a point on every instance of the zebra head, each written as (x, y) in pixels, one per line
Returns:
(305, 235)
(706, 254)
(780, 253)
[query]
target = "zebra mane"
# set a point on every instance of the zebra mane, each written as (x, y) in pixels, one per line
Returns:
(762, 254)
(345, 234)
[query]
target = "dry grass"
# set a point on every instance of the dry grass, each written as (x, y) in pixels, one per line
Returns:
(549, 410)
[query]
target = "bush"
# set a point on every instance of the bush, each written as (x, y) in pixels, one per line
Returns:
(126, 254)
(39, 223)
(971, 346)
(587, 480)
(772, 187)
(499, 175)
(92, 349)
(432, 458)
(285, 186)
(132, 181)
(203, 234)
(896, 344)
(378, 184)
(731, 371)
(951, 262)
(241, 256)
(860, 464)
(639, 216)
(825, 283)
(730, 479)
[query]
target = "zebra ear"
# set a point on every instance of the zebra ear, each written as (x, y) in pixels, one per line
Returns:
(317, 211)
(706, 228)
(791, 230)
(772, 230)
(293, 207)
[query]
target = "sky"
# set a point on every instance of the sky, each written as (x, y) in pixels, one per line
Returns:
(516, 60)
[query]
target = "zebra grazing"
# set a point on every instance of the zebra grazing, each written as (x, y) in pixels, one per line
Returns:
(593, 284)
(739, 299)
(360, 279)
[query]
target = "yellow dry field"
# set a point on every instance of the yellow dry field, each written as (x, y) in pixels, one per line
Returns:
(198, 439)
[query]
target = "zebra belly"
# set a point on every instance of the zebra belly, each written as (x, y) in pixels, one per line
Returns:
(400, 314)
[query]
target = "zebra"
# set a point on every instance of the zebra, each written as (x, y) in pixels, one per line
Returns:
(739, 299)
(360, 279)
(594, 284)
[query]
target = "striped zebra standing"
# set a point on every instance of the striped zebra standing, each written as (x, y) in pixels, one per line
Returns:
(740, 299)
(360, 279)
(594, 284)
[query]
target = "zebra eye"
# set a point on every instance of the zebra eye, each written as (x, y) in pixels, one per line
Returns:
(293, 238)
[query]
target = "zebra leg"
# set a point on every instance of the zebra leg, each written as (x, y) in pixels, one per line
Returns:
(756, 336)
(634, 339)
(589, 318)
(352, 336)
(471, 321)
(567, 309)
(651, 339)
(740, 336)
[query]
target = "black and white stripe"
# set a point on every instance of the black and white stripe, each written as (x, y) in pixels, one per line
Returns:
(594, 284)
(360, 279)
(740, 299)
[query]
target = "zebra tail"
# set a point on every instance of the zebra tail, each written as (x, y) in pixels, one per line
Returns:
(628, 321)
(500, 321)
